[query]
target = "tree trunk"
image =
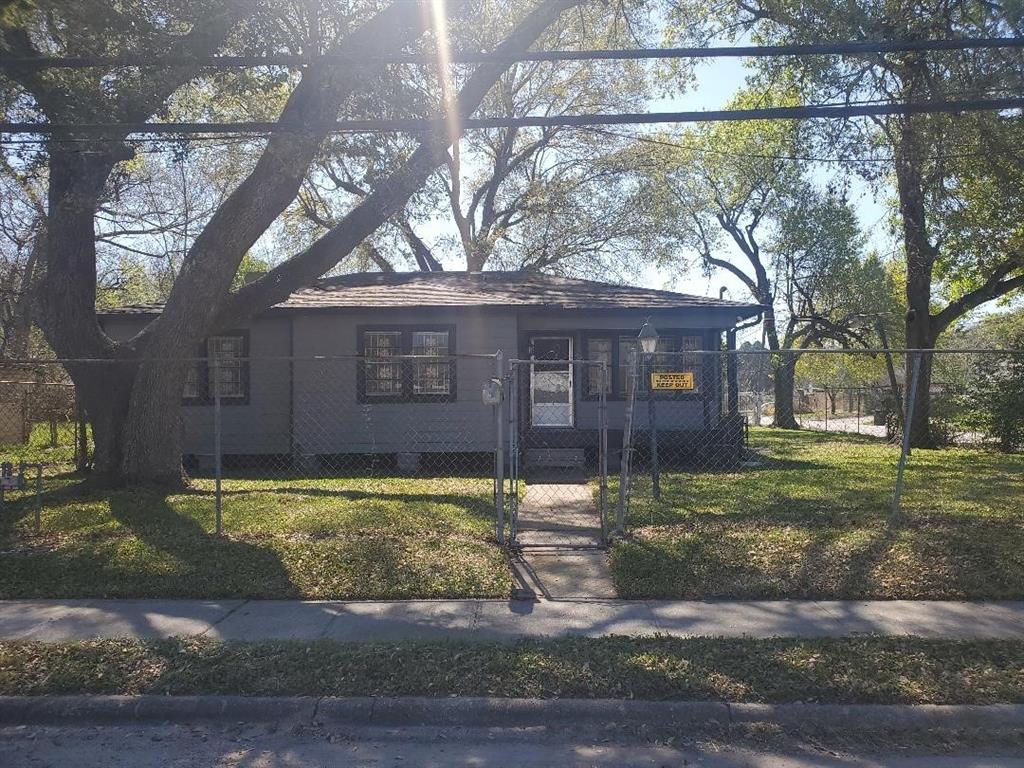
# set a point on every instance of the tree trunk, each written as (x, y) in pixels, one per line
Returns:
(151, 432)
(136, 431)
(102, 389)
(784, 378)
(785, 384)
(921, 256)
(920, 420)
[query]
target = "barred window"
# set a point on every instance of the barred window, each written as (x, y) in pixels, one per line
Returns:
(693, 362)
(383, 378)
(431, 377)
(676, 351)
(406, 364)
(192, 378)
(221, 370)
(627, 348)
(224, 355)
(670, 356)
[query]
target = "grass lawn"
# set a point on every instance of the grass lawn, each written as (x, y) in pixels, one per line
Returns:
(811, 522)
(39, 449)
(354, 538)
(849, 670)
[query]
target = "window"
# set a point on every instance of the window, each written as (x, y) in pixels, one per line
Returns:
(617, 347)
(224, 360)
(693, 362)
(671, 355)
(599, 350)
(627, 348)
(406, 364)
(222, 370)
(430, 377)
(383, 376)
(192, 378)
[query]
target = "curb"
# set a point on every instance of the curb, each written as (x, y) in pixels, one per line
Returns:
(491, 712)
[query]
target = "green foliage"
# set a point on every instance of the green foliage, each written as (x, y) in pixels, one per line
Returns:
(958, 208)
(835, 371)
(995, 399)
(40, 448)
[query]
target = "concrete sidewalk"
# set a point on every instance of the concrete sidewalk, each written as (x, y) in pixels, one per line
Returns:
(55, 620)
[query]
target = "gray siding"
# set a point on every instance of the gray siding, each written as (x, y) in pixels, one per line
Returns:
(671, 414)
(309, 404)
(329, 417)
(260, 426)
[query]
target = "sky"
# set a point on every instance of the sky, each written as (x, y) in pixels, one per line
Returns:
(716, 82)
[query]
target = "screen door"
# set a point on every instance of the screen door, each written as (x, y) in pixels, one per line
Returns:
(551, 386)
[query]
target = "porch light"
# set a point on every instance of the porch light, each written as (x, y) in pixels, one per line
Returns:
(648, 338)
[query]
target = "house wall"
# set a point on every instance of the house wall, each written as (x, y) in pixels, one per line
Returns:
(689, 413)
(329, 417)
(260, 426)
(303, 373)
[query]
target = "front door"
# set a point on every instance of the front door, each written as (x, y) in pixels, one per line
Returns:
(551, 385)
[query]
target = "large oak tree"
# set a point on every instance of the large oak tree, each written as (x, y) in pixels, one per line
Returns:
(131, 390)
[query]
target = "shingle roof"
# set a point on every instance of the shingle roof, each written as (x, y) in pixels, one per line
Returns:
(476, 289)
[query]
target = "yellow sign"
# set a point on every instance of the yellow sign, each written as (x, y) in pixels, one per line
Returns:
(673, 380)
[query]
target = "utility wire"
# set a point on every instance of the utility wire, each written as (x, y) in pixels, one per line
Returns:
(482, 57)
(420, 125)
(759, 156)
(153, 146)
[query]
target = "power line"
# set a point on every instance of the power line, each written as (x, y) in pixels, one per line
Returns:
(761, 156)
(419, 125)
(486, 57)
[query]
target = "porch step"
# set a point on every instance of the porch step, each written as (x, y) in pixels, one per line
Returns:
(555, 458)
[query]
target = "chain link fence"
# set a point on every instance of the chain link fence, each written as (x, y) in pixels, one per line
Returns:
(820, 431)
(39, 416)
(540, 451)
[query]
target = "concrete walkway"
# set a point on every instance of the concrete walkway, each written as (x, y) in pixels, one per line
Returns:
(50, 620)
(562, 555)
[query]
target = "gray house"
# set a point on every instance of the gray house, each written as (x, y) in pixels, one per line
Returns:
(323, 374)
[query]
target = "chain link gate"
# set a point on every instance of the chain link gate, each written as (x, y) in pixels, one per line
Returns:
(557, 433)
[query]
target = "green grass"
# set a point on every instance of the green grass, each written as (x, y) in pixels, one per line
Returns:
(811, 521)
(354, 538)
(39, 449)
(850, 670)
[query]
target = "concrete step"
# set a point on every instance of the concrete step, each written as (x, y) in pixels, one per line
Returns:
(555, 458)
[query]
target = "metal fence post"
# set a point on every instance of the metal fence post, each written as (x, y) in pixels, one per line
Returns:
(627, 446)
(217, 448)
(652, 429)
(602, 422)
(905, 444)
(499, 454)
(513, 451)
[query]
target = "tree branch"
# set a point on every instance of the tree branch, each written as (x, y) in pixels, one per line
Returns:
(994, 287)
(391, 194)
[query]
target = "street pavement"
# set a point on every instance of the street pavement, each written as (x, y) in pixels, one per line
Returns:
(278, 746)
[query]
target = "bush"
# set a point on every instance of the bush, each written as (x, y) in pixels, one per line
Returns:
(995, 398)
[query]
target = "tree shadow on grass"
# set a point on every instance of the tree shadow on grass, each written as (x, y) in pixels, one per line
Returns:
(194, 562)
(58, 489)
